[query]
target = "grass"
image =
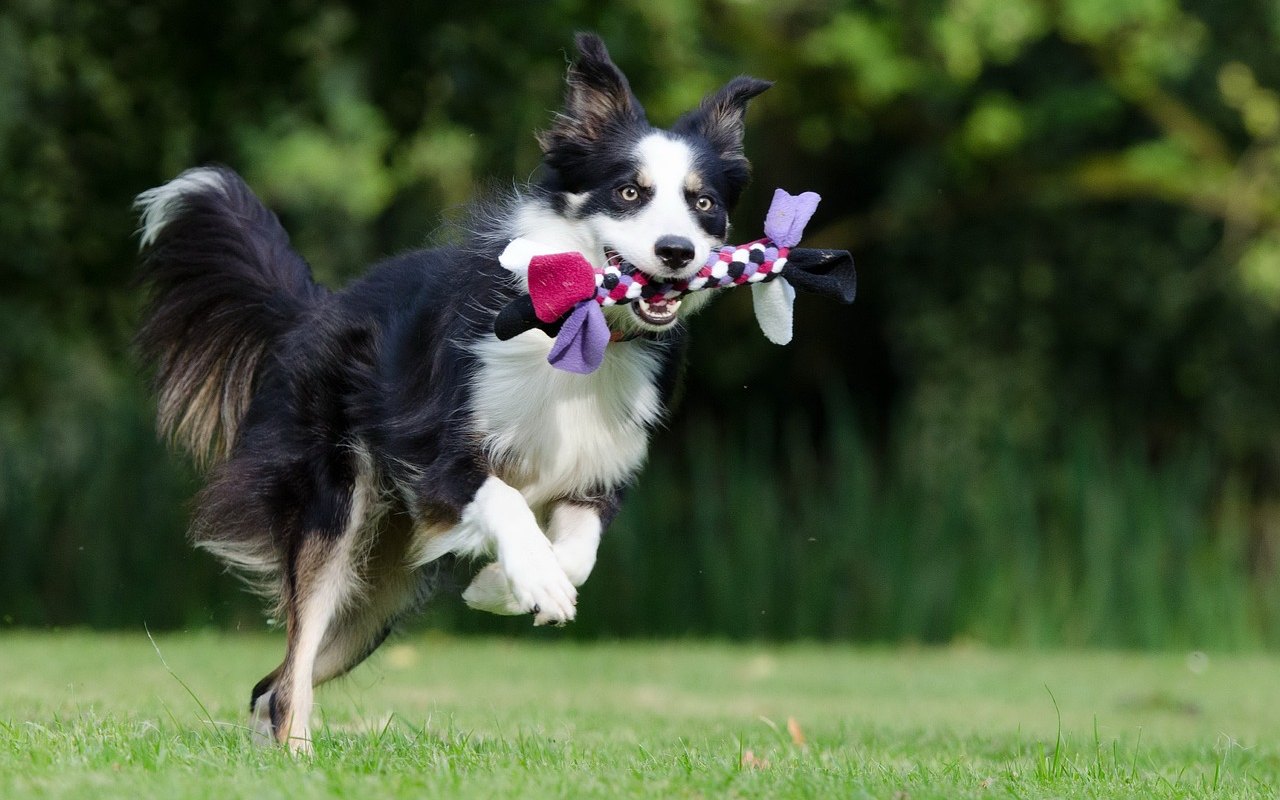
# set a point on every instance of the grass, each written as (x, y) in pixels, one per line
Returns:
(97, 715)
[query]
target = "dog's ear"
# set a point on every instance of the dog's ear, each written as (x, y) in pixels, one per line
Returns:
(719, 119)
(598, 99)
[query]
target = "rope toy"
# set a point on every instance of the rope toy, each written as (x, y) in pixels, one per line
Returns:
(567, 294)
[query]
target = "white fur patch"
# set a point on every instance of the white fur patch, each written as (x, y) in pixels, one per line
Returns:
(537, 221)
(335, 585)
(575, 537)
(666, 166)
(555, 433)
(158, 206)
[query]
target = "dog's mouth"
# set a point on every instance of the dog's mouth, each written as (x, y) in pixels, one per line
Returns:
(654, 312)
(657, 312)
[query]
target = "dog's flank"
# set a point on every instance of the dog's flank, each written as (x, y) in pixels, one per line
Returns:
(363, 438)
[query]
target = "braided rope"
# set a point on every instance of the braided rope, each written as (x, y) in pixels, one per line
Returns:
(618, 282)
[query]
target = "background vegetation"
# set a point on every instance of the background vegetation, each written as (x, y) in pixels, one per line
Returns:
(1053, 415)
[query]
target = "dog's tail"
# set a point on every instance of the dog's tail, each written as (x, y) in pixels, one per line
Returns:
(224, 285)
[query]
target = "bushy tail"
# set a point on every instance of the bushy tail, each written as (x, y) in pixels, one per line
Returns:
(224, 285)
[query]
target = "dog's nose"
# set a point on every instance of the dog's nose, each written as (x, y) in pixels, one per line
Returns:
(674, 251)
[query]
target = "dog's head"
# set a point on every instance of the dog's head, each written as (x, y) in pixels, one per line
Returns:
(658, 198)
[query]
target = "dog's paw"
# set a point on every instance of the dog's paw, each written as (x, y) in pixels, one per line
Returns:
(540, 586)
(551, 602)
(264, 734)
(491, 591)
(557, 619)
(531, 582)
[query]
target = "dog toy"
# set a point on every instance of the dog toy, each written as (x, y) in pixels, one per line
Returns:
(567, 294)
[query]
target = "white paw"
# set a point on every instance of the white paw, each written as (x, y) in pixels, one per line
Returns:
(551, 601)
(491, 591)
(535, 584)
(539, 585)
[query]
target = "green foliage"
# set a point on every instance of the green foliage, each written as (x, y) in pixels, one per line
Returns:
(1064, 422)
(925, 544)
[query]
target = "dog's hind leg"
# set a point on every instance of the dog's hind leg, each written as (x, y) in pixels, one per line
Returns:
(392, 588)
(389, 588)
(321, 579)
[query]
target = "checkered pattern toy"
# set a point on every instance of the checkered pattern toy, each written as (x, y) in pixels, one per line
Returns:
(567, 293)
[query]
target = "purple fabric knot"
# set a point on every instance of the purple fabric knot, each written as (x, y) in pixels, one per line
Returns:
(788, 214)
(579, 347)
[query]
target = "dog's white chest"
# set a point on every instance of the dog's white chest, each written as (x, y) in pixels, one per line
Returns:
(556, 433)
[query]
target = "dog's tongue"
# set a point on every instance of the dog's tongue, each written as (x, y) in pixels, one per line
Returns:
(658, 303)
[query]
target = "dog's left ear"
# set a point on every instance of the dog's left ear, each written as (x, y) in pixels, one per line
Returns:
(719, 119)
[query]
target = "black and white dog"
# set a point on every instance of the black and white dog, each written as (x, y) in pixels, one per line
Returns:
(356, 437)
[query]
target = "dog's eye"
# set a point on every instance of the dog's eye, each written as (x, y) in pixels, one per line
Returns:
(705, 203)
(629, 193)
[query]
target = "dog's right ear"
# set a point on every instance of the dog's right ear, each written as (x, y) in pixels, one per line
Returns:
(598, 99)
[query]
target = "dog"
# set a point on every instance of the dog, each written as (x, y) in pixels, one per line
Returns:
(356, 440)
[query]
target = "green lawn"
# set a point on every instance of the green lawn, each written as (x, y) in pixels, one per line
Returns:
(88, 715)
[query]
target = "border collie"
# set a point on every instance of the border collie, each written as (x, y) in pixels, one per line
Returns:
(354, 438)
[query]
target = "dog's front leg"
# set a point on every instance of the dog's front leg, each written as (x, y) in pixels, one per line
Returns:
(574, 534)
(526, 578)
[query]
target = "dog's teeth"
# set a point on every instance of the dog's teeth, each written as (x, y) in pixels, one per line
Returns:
(661, 312)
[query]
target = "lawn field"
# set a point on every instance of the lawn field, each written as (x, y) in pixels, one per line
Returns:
(101, 716)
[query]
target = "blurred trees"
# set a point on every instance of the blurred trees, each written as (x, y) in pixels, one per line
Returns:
(1066, 217)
